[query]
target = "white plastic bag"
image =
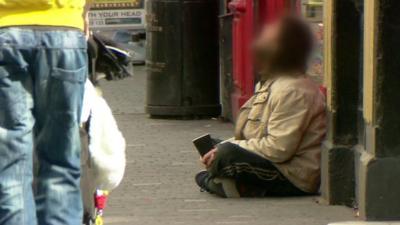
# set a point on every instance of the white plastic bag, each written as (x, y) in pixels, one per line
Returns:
(106, 154)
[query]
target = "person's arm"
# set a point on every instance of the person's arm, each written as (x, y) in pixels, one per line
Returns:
(289, 119)
(88, 5)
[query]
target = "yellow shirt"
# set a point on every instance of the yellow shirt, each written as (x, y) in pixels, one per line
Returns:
(65, 13)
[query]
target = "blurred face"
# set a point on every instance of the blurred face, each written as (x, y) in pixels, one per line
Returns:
(265, 48)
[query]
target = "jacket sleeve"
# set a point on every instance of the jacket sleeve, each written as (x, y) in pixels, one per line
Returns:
(290, 116)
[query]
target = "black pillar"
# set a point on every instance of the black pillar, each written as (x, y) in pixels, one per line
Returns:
(342, 51)
(379, 164)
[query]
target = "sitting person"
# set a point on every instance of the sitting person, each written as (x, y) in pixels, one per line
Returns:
(277, 144)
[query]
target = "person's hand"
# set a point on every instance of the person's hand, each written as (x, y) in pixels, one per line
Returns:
(208, 158)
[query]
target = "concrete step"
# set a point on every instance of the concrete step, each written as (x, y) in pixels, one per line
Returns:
(365, 223)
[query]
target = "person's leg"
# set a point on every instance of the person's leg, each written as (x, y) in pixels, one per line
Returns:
(254, 175)
(60, 74)
(216, 141)
(16, 123)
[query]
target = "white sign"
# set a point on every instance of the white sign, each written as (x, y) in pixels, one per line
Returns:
(132, 18)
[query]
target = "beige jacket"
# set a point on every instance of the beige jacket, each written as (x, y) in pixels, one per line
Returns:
(285, 122)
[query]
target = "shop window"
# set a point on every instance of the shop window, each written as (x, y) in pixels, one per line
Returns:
(312, 10)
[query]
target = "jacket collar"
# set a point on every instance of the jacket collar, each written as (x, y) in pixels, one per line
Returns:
(264, 86)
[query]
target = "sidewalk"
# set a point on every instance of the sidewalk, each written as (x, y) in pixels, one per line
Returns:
(159, 189)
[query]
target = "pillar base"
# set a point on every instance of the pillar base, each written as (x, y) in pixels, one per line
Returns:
(337, 172)
(379, 187)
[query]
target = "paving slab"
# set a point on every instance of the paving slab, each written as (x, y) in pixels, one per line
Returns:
(159, 187)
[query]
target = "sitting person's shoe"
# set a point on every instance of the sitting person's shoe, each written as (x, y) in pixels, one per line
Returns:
(222, 187)
(201, 179)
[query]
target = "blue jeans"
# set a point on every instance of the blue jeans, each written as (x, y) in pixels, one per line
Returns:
(42, 75)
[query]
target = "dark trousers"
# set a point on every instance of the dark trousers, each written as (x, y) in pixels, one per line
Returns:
(255, 176)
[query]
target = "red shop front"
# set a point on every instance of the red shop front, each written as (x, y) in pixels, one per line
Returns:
(248, 17)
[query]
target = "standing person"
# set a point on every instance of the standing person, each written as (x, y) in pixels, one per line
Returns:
(43, 67)
(277, 145)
